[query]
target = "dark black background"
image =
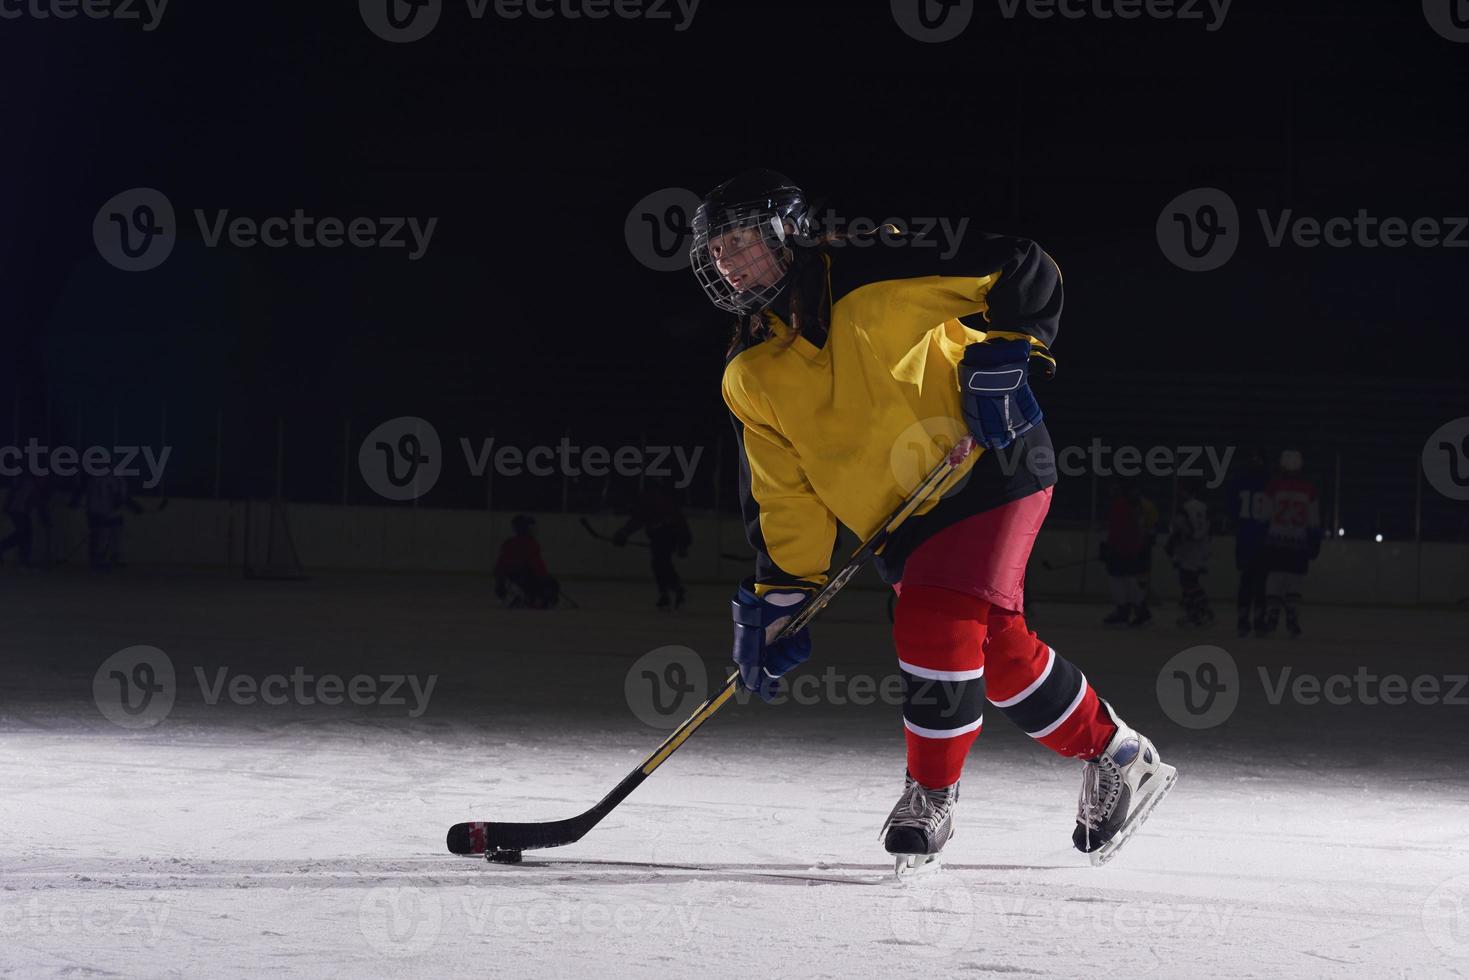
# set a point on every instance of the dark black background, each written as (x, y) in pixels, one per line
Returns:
(530, 141)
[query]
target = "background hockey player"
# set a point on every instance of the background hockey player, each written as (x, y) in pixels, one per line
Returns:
(521, 569)
(24, 505)
(107, 496)
(1188, 546)
(658, 513)
(1251, 520)
(1127, 554)
(1292, 541)
(839, 352)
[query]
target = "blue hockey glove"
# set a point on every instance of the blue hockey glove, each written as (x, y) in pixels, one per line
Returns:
(761, 663)
(995, 392)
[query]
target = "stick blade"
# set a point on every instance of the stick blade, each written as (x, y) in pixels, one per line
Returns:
(477, 837)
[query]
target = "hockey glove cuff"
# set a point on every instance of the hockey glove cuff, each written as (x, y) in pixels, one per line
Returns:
(756, 618)
(995, 394)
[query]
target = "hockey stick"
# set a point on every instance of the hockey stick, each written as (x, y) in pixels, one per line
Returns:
(602, 537)
(728, 556)
(504, 842)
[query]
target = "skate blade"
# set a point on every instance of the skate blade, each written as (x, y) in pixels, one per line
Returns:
(1169, 775)
(909, 866)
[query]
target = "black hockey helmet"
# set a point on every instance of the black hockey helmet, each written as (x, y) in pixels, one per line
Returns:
(745, 231)
(522, 523)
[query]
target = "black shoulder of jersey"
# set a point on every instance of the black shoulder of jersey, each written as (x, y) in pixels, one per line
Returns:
(873, 258)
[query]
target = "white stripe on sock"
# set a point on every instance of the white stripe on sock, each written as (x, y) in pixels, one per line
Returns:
(1068, 713)
(939, 675)
(1050, 662)
(942, 732)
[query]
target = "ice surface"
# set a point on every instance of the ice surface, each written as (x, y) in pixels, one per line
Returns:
(307, 840)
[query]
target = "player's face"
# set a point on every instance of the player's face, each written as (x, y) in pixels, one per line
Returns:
(744, 258)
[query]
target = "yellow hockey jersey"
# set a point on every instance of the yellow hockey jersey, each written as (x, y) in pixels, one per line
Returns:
(839, 423)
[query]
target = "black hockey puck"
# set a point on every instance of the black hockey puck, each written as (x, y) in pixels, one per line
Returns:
(503, 857)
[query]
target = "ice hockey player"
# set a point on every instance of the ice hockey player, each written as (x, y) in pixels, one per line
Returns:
(1127, 554)
(27, 496)
(657, 512)
(521, 570)
(107, 496)
(1251, 520)
(839, 353)
(1292, 541)
(1188, 546)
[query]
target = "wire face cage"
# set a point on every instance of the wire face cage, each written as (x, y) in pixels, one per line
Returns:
(741, 252)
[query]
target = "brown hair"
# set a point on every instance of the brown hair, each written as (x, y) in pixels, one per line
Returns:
(809, 290)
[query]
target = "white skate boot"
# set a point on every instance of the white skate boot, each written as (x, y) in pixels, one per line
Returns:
(919, 827)
(1118, 790)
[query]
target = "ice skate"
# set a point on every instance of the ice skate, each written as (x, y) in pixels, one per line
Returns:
(1141, 616)
(1292, 624)
(919, 827)
(1118, 616)
(1268, 624)
(1118, 790)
